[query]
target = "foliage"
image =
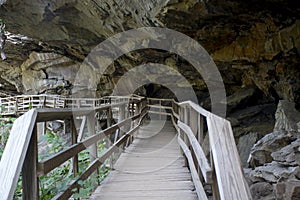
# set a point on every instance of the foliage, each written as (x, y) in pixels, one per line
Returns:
(58, 179)
(54, 145)
(5, 127)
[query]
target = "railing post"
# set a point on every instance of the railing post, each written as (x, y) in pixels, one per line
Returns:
(91, 131)
(160, 109)
(109, 123)
(74, 141)
(194, 128)
(182, 111)
(214, 185)
(121, 118)
(16, 106)
(137, 111)
(186, 120)
(29, 171)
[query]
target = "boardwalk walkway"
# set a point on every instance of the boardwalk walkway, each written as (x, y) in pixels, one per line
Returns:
(151, 168)
(153, 165)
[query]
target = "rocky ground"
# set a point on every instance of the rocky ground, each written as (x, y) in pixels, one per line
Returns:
(274, 160)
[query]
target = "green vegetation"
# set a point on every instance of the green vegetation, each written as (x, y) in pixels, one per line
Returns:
(58, 179)
(5, 127)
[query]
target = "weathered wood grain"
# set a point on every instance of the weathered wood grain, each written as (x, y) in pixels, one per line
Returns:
(231, 182)
(201, 158)
(14, 154)
(150, 168)
(198, 185)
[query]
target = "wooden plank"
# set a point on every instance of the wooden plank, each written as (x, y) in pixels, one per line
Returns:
(228, 168)
(59, 158)
(196, 107)
(94, 166)
(201, 158)
(30, 182)
(14, 153)
(80, 134)
(74, 141)
(198, 185)
(141, 172)
(159, 106)
(91, 131)
(64, 113)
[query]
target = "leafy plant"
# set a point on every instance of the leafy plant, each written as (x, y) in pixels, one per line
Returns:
(5, 127)
(30, 105)
(58, 179)
(2, 108)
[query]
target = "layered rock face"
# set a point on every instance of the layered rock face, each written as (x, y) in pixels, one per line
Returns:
(254, 44)
(275, 159)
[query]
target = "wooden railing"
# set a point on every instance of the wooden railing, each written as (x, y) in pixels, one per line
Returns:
(218, 162)
(21, 151)
(20, 104)
(206, 141)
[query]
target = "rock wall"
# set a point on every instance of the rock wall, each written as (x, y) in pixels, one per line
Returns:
(275, 159)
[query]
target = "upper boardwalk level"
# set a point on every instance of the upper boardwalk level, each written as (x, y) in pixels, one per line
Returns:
(17, 105)
(148, 160)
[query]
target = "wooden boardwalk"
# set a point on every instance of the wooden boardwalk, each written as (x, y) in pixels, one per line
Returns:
(152, 167)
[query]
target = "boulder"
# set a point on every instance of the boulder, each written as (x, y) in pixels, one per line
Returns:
(288, 155)
(245, 143)
(262, 150)
(279, 145)
(286, 116)
(274, 172)
(262, 191)
(287, 190)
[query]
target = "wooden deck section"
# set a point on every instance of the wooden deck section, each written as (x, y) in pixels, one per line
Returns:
(152, 167)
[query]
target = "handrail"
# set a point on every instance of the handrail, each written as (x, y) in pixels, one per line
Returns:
(200, 156)
(20, 104)
(14, 154)
(224, 171)
(21, 149)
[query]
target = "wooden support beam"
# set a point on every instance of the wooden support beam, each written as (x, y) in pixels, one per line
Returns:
(91, 131)
(74, 141)
(226, 160)
(30, 183)
(199, 154)
(81, 129)
(14, 154)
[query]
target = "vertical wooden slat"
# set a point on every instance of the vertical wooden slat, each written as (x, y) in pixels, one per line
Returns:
(74, 141)
(91, 131)
(109, 120)
(121, 117)
(160, 109)
(214, 185)
(200, 128)
(194, 128)
(183, 114)
(29, 170)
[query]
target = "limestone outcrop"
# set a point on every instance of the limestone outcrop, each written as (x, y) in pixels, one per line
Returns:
(275, 159)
